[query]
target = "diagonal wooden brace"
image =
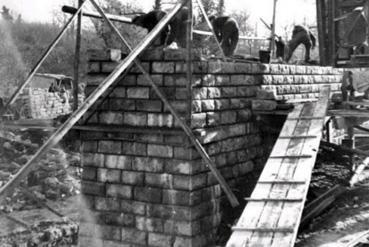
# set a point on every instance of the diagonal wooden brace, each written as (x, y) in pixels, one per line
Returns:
(227, 190)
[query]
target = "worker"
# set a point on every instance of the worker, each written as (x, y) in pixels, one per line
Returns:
(227, 33)
(347, 87)
(174, 32)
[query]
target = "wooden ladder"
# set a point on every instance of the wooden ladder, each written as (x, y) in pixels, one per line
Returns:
(273, 212)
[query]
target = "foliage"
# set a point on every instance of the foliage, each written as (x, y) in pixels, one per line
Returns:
(220, 8)
(22, 44)
(157, 4)
(6, 14)
(12, 67)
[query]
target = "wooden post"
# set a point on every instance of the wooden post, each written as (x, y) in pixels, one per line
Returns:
(330, 49)
(328, 127)
(77, 60)
(272, 44)
(333, 41)
(320, 10)
(189, 38)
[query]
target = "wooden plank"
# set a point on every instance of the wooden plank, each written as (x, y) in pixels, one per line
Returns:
(291, 156)
(259, 229)
(281, 182)
(271, 199)
(270, 215)
(260, 239)
(281, 239)
(272, 171)
(282, 206)
(297, 137)
(271, 208)
(250, 216)
(349, 113)
(292, 212)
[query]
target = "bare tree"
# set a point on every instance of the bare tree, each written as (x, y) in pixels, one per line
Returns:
(220, 8)
(131, 32)
(157, 5)
(6, 14)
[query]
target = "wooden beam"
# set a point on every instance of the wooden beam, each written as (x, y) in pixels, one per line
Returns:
(315, 207)
(349, 113)
(123, 19)
(345, 149)
(361, 128)
(330, 23)
(189, 39)
(128, 20)
(128, 129)
(77, 57)
(260, 229)
(321, 30)
(272, 44)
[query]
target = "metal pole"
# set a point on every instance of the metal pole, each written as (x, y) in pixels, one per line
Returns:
(227, 190)
(77, 58)
(76, 115)
(42, 59)
(211, 28)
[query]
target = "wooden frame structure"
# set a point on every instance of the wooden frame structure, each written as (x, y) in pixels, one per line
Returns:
(330, 13)
(104, 86)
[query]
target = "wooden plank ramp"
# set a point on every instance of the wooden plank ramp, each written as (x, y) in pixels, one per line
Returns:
(273, 212)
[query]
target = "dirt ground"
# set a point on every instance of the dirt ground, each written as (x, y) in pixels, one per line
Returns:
(347, 217)
(349, 214)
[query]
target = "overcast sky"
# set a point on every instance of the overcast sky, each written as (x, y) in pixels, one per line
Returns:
(288, 11)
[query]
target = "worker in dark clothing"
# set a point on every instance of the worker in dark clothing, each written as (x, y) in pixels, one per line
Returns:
(227, 33)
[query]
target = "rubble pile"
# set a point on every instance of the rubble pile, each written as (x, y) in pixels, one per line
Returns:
(44, 234)
(331, 168)
(52, 178)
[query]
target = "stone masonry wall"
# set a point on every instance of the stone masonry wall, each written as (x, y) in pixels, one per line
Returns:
(300, 82)
(145, 185)
(38, 103)
(143, 182)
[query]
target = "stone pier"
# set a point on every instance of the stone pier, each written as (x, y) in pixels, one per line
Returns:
(143, 182)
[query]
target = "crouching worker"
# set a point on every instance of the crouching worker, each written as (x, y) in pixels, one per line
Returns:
(347, 87)
(175, 31)
(227, 33)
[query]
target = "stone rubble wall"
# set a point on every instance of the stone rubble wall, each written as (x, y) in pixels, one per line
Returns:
(38, 103)
(300, 82)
